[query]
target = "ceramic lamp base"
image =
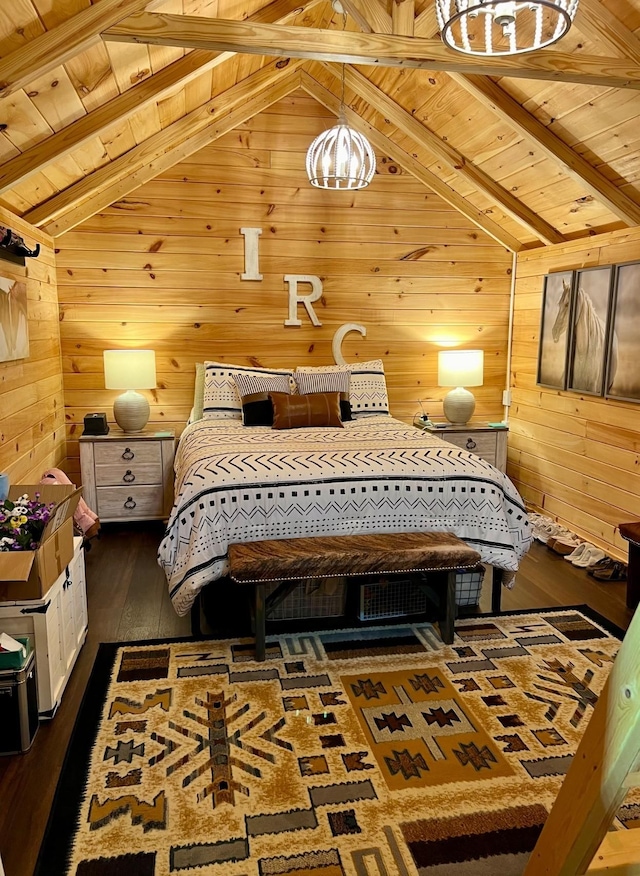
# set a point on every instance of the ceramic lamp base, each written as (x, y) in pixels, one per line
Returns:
(458, 406)
(131, 411)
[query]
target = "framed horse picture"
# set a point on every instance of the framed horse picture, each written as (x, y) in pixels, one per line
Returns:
(554, 324)
(590, 315)
(623, 373)
(14, 324)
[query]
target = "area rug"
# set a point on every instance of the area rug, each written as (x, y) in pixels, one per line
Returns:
(347, 753)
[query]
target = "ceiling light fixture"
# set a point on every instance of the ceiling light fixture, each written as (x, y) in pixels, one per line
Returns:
(340, 158)
(487, 27)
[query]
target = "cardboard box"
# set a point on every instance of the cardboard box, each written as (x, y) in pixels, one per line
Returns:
(29, 574)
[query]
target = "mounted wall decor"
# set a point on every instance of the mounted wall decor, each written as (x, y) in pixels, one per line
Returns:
(554, 336)
(13, 247)
(623, 373)
(14, 324)
(590, 309)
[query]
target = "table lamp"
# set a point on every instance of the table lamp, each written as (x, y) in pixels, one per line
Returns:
(130, 370)
(460, 368)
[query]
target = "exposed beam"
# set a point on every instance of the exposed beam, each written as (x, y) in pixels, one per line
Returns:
(372, 12)
(426, 139)
(122, 107)
(596, 22)
(166, 148)
(510, 111)
(385, 145)
(403, 13)
(426, 24)
(382, 50)
(56, 46)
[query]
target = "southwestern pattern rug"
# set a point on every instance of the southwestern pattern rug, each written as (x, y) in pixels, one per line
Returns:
(369, 752)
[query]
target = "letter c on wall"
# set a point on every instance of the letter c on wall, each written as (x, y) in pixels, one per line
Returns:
(336, 344)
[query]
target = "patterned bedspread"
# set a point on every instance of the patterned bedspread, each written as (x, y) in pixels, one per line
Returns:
(235, 484)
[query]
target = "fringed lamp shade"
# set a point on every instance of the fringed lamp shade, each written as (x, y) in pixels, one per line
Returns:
(340, 158)
(486, 27)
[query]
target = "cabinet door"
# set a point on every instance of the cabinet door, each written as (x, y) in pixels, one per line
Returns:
(79, 593)
(50, 656)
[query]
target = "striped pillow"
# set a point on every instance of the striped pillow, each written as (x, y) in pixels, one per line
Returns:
(368, 388)
(254, 389)
(221, 399)
(327, 381)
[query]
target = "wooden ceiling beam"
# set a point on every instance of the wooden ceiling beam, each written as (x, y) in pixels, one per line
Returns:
(574, 165)
(443, 152)
(371, 16)
(426, 24)
(387, 146)
(403, 15)
(56, 46)
(122, 107)
(382, 50)
(166, 148)
(596, 22)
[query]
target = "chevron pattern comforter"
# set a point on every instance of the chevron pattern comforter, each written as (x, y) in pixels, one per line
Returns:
(235, 484)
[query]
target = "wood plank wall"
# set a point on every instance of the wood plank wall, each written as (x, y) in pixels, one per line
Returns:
(162, 269)
(575, 457)
(32, 433)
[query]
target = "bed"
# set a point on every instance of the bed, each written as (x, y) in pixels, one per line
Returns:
(377, 474)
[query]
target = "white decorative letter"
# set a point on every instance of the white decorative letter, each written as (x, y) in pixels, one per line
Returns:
(251, 265)
(336, 344)
(295, 299)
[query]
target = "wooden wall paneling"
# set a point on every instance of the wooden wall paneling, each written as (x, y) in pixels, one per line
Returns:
(575, 457)
(162, 267)
(32, 433)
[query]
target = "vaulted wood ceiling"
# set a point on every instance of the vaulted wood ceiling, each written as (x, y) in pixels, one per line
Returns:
(97, 99)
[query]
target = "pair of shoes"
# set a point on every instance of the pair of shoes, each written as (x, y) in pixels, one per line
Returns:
(612, 570)
(544, 531)
(563, 544)
(585, 555)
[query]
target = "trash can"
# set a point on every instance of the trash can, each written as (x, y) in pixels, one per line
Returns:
(18, 706)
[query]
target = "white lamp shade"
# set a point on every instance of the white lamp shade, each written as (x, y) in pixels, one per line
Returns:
(129, 369)
(460, 367)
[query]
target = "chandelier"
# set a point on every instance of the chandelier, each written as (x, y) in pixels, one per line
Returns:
(487, 27)
(340, 158)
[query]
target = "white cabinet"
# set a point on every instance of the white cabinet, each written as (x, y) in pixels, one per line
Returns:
(57, 626)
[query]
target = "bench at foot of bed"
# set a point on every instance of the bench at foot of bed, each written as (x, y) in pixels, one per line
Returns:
(288, 561)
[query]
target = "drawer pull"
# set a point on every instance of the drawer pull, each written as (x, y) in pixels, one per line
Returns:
(130, 503)
(471, 444)
(128, 477)
(128, 454)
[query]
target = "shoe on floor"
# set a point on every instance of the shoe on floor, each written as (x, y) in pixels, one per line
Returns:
(548, 530)
(617, 571)
(604, 563)
(578, 551)
(589, 558)
(563, 544)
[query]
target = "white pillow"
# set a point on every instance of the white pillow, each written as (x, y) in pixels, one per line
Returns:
(368, 387)
(221, 398)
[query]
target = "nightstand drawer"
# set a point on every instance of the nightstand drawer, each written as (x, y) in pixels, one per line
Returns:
(480, 443)
(130, 502)
(123, 473)
(123, 452)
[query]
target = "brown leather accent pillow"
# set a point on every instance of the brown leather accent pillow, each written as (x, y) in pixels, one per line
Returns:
(304, 411)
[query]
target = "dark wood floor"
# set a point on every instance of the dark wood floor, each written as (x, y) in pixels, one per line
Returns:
(128, 600)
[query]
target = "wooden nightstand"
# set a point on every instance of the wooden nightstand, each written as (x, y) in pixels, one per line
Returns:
(128, 476)
(488, 442)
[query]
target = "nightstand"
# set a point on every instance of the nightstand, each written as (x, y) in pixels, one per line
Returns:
(128, 476)
(488, 442)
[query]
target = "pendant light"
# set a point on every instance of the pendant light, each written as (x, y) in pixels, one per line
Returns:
(340, 158)
(490, 28)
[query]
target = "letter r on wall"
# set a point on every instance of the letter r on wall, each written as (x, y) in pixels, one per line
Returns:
(294, 298)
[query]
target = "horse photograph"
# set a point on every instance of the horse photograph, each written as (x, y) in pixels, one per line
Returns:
(623, 381)
(14, 326)
(552, 354)
(588, 338)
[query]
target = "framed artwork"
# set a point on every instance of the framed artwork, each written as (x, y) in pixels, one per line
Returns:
(14, 325)
(623, 371)
(554, 326)
(588, 332)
